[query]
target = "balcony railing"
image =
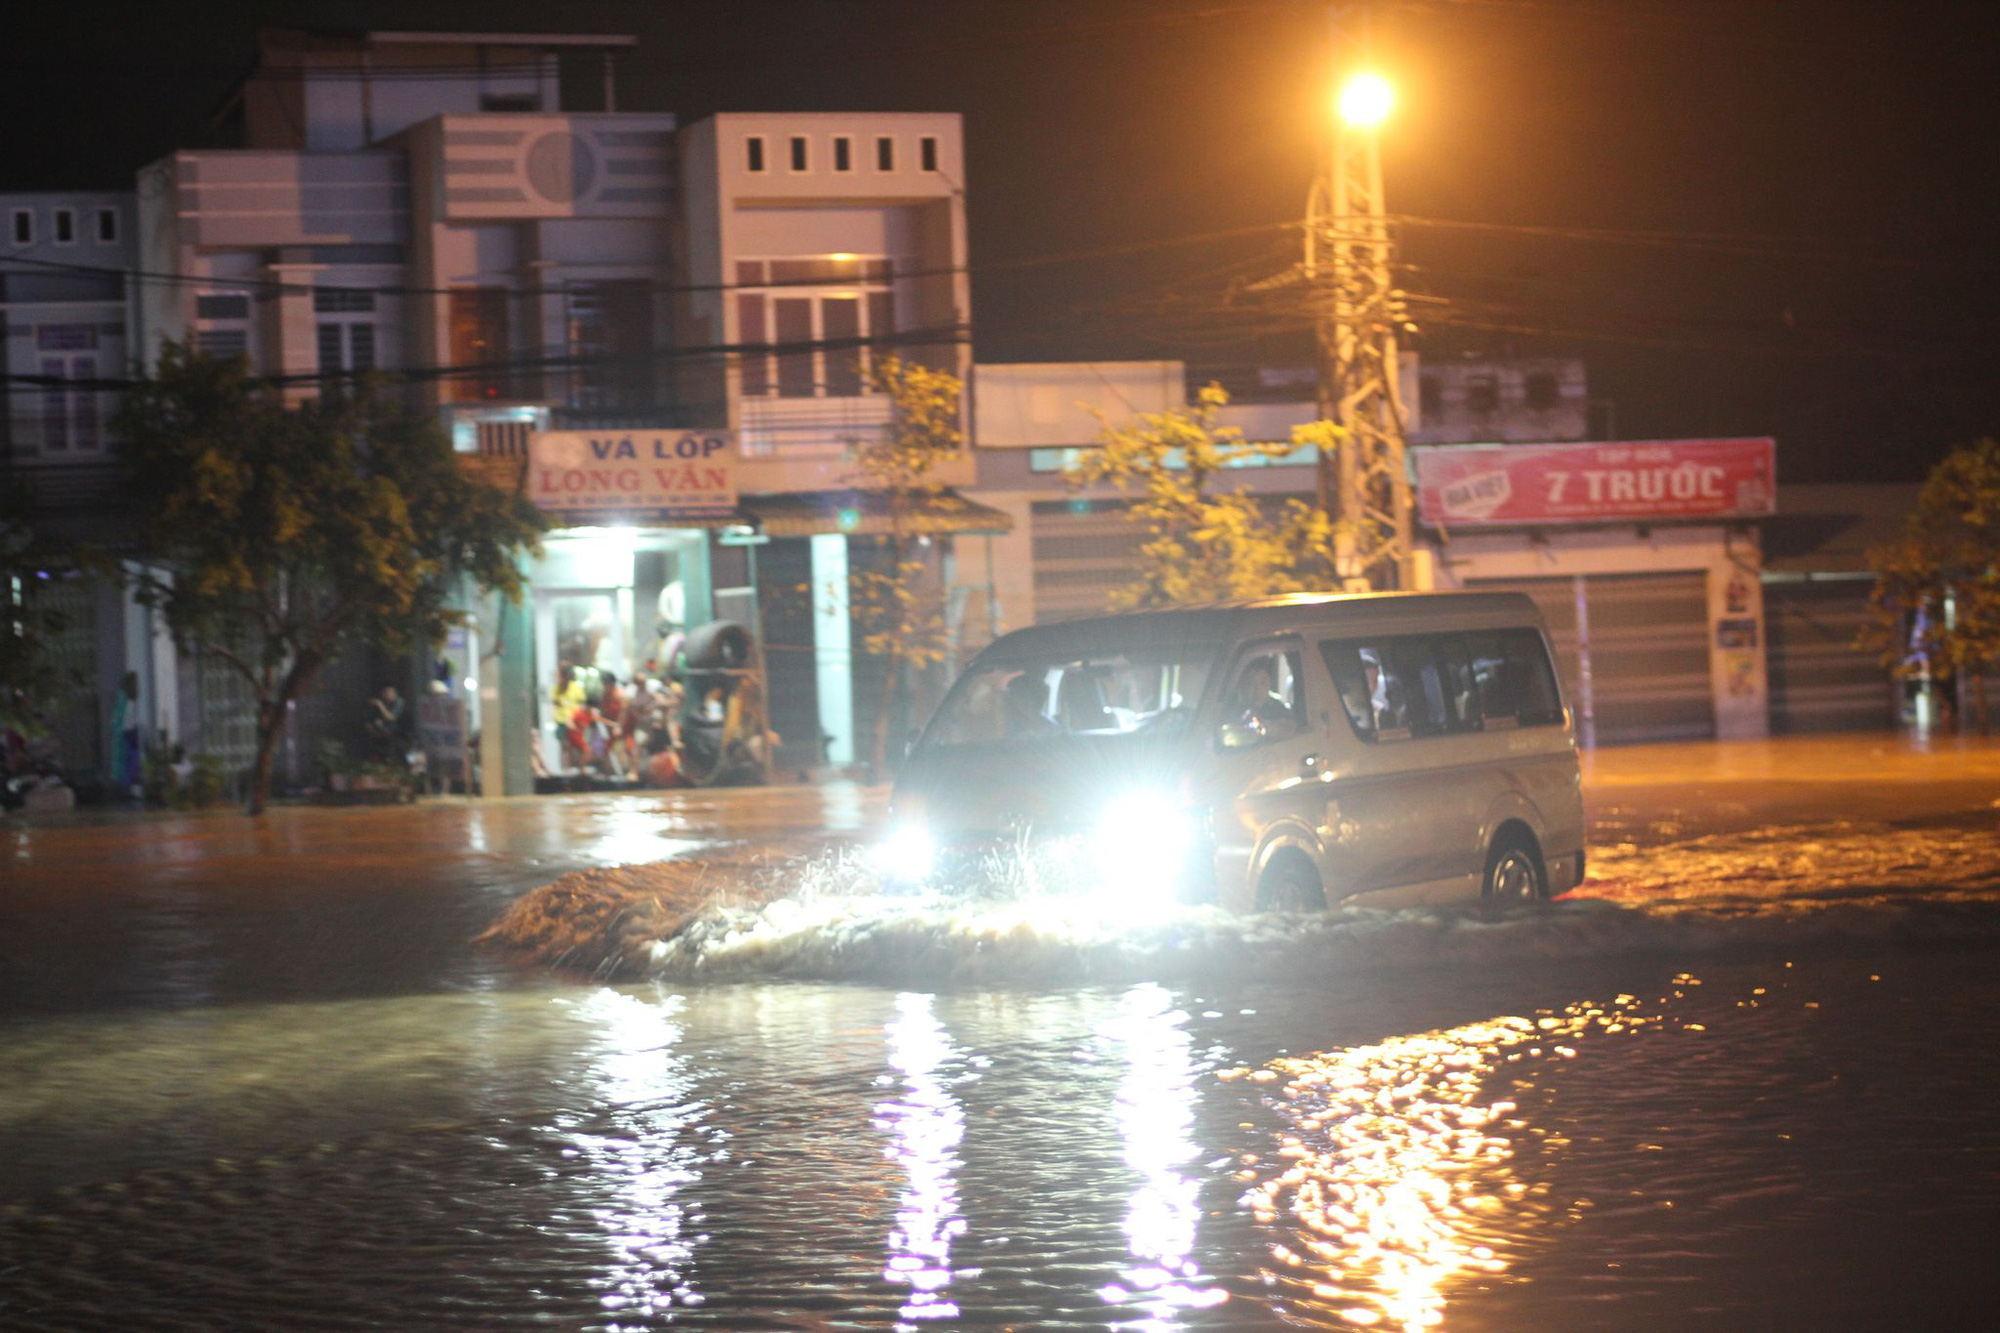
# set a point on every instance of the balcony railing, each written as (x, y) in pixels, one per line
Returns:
(793, 426)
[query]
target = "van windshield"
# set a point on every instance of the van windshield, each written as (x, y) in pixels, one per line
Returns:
(1099, 694)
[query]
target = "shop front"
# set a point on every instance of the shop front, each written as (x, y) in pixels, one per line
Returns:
(623, 584)
(1645, 560)
(610, 607)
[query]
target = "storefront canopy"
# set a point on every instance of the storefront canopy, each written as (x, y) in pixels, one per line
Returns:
(866, 514)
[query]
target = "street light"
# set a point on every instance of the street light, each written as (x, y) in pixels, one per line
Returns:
(1362, 482)
(1365, 100)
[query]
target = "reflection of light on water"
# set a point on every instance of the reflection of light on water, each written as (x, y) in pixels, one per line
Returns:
(633, 837)
(924, 1126)
(642, 1159)
(1398, 1180)
(1155, 1111)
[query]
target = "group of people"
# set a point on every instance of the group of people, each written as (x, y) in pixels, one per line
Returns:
(618, 729)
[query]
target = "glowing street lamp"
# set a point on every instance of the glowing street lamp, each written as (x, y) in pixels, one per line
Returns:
(1365, 100)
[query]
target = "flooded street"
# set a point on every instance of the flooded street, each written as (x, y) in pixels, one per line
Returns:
(260, 1077)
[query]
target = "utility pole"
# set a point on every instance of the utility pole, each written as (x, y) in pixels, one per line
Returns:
(1364, 486)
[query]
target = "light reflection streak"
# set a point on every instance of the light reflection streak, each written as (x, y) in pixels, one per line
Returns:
(1155, 1114)
(1399, 1179)
(925, 1126)
(633, 837)
(642, 1157)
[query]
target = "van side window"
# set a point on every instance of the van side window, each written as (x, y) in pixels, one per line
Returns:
(1266, 700)
(1517, 687)
(1404, 687)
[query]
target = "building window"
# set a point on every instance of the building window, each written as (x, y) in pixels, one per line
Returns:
(346, 329)
(222, 324)
(221, 305)
(65, 226)
(1430, 395)
(343, 301)
(68, 352)
(816, 317)
(927, 152)
(24, 226)
(885, 154)
(222, 344)
(1541, 390)
(843, 153)
(1482, 394)
(107, 225)
(753, 153)
(610, 334)
(798, 152)
(479, 344)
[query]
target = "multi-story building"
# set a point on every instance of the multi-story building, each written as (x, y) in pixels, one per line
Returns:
(557, 281)
(64, 264)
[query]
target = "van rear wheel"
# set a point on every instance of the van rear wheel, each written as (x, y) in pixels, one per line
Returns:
(1290, 884)
(1514, 872)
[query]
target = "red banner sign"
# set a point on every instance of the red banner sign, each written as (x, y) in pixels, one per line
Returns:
(1493, 485)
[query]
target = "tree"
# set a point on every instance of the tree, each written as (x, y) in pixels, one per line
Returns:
(896, 607)
(1937, 587)
(278, 538)
(29, 681)
(1202, 545)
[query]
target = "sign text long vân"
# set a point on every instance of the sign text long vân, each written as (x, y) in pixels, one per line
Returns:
(659, 474)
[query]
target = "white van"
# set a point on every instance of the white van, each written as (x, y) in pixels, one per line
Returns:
(1275, 754)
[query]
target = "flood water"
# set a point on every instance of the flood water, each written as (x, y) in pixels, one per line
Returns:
(320, 1106)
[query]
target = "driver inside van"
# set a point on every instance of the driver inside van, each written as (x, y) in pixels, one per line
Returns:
(1263, 710)
(1026, 694)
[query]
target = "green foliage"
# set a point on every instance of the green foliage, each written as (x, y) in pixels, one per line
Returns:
(1937, 587)
(898, 609)
(170, 778)
(29, 682)
(279, 537)
(335, 761)
(1201, 545)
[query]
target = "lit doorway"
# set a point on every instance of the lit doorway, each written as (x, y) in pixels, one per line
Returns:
(581, 635)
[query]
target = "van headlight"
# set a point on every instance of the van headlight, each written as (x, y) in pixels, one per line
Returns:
(1140, 844)
(907, 856)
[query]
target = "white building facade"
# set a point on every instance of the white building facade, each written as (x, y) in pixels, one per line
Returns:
(65, 300)
(555, 282)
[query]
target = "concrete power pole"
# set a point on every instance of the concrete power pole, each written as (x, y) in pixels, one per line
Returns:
(1365, 487)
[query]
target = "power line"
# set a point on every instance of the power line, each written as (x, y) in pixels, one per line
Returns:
(1747, 246)
(182, 278)
(943, 335)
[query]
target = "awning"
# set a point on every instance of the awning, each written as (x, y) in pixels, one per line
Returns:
(866, 514)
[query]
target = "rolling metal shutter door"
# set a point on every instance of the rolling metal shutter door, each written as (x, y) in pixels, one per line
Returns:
(1081, 558)
(1648, 642)
(1819, 680)
(1649, 657)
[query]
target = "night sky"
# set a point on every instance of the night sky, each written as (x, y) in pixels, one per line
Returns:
(1751, 217)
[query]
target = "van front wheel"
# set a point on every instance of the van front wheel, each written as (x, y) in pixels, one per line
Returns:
(1514, 872)
(1290, 884)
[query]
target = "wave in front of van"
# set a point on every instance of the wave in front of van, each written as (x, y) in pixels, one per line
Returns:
(931, 941)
